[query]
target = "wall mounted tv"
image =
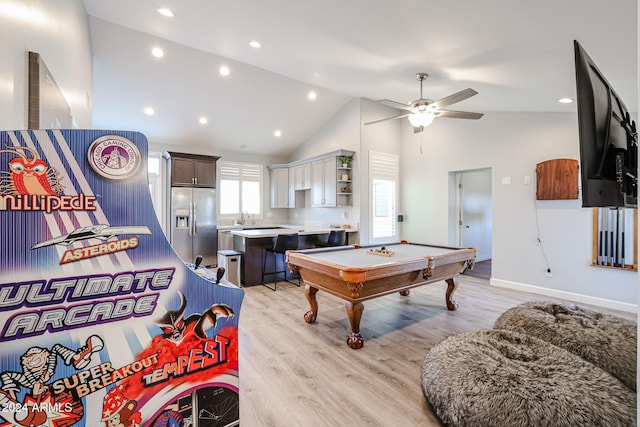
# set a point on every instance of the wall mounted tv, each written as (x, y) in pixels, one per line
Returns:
(608, 139)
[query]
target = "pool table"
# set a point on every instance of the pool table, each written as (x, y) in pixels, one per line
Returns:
(355, 274)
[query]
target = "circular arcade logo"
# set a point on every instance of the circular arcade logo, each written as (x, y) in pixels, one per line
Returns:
(114, 157)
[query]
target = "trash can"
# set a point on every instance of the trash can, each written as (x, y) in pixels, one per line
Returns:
(230, 260)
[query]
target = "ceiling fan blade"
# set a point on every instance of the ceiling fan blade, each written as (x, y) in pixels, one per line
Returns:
(388, 118)
(459, 114)
(396, 104)
(456, 97)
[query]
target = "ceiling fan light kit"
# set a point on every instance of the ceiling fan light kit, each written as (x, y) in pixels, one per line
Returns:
(421, 119)
(422, 111)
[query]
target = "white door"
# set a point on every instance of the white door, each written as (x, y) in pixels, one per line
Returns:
(474, 211)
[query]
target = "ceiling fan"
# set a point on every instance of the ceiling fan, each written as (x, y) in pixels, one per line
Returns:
(422, 111)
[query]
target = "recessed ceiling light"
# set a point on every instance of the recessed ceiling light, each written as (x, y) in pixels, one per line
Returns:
(157, 52)
(165, 12)
(256, 44)
(203, 120)
(277, 133)
(565, 100)
(312, 95)
(224, 70)
(149, 111)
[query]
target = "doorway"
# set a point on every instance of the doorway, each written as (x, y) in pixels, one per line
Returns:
(470, 213)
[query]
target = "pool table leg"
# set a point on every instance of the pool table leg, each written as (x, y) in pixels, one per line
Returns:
(354, 311)
(310, 293)
(452, 285)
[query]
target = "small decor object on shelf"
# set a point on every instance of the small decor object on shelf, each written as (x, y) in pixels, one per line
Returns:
(381, 251)
(345, 161)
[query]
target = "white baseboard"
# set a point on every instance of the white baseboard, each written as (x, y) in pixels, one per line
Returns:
(585, 299)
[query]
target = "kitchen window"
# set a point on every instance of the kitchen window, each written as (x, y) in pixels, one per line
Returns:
(240, 185)
(383, 170)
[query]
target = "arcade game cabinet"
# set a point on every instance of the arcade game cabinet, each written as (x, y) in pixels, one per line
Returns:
(101, 323)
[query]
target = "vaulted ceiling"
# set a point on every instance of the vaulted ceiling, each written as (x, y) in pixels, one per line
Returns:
(518, 56)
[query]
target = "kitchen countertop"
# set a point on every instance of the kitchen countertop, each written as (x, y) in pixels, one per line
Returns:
(271, 232)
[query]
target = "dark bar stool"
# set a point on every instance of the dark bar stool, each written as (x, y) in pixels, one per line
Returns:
(336, 238)
(284, 242)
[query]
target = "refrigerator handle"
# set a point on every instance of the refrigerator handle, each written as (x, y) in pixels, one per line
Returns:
(195, 220)
(191, 218)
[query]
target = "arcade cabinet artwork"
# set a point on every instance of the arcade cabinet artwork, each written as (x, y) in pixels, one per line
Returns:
(101, 324)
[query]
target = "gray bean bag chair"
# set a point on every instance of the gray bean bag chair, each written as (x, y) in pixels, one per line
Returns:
(607, 341)
(504, 378)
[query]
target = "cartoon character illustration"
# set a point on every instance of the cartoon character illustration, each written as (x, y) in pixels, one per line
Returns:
(176, 328)
(38, 367)
(181, 335)
(118, 410)
(29, 176)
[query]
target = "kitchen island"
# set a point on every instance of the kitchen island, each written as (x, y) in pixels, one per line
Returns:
(251, 243)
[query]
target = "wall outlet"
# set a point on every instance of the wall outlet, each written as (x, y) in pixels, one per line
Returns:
(549, 273)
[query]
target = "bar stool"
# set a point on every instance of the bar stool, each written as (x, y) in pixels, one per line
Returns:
(336, 238)
(284, 243)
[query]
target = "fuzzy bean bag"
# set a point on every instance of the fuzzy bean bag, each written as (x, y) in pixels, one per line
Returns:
(504, 378)
(607, 341)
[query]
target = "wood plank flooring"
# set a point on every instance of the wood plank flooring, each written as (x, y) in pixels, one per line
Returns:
(298, 374)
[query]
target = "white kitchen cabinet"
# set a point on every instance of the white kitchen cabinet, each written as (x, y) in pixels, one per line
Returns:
(330, 182)
(279, 188)
(292, 187)
(323, 178)
(302, 176)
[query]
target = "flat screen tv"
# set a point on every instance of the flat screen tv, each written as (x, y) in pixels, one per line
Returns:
(608, 139)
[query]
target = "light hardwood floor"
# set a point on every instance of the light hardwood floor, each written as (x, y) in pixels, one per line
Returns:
(294, 374)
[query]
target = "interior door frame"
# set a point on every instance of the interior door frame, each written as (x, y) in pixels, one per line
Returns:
(455, 210)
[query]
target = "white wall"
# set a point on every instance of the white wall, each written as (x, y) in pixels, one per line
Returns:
(382, 137)
(59, 32)
(511, 144)
(344, 131)
(341, 132)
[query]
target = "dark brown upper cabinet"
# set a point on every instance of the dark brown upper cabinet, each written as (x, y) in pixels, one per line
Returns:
(193, 170)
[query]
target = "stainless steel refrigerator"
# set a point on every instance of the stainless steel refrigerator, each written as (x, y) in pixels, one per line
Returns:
(193, 224)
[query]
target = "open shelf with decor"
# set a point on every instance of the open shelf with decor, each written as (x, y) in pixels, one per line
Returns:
(344, 179)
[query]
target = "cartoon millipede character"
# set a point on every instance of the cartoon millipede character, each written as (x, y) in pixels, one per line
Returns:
(29, 176)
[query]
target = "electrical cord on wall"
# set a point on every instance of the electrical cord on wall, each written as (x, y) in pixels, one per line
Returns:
(538, 239)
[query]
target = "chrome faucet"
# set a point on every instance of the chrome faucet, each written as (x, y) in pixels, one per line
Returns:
(242, 216)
